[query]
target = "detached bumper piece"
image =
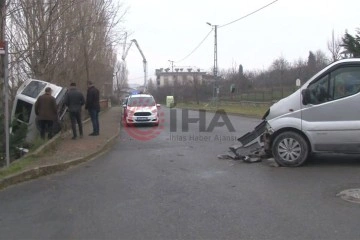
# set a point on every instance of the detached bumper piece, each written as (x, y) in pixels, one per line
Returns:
(250, 136)
(251, 149)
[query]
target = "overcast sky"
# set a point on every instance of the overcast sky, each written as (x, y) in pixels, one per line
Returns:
(171, 30)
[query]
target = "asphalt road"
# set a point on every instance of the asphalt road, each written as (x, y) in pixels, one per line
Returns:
(169, 184)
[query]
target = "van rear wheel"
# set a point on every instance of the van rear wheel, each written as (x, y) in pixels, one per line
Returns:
(290, 149)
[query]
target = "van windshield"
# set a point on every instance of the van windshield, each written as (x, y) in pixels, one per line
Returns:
(141, 102)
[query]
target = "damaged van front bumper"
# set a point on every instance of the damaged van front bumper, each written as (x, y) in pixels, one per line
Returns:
(253, 145)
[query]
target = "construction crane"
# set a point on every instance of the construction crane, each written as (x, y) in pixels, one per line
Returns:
(125, 53)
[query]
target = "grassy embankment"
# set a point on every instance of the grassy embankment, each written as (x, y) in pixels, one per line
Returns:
(248, 109)
(20, 164)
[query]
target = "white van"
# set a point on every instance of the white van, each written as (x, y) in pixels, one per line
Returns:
(24, 110)
(323, 116)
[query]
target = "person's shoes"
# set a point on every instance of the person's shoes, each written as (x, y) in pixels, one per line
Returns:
(73, 138)
(93, 134)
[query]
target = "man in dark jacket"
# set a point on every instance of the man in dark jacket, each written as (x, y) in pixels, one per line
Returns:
(74, 100)
(93, 106)
(46, 112)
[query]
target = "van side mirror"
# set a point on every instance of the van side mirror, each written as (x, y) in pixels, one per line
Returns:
(306, 96)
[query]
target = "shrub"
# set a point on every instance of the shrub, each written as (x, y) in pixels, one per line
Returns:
(17, 140)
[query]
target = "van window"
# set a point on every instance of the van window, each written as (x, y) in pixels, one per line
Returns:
(320, 90)
(33, 89)
(345, 82)
(340, 83)
(23, 110)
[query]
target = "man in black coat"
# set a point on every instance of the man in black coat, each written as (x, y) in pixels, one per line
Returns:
(74, 101)
(93, 106)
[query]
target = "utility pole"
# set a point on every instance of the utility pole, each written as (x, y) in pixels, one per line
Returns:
(216, 87)
(4, 76)
(215, 53)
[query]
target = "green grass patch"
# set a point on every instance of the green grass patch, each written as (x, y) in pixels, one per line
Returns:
(16, 166)
(250, 110)
(38, 142)
(20, 164)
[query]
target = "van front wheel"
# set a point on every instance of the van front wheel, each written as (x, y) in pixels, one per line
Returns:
(290, 149)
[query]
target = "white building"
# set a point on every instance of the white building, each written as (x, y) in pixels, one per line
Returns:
(165, 77)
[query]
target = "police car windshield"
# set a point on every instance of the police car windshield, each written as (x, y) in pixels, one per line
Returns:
(141, 102)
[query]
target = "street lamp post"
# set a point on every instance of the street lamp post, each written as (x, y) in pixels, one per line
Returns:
(215, 91)
(215, 49)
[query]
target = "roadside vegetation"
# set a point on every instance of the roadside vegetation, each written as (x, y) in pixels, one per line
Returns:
(239, 84)
(20, 162)
(16, 167)
(250, 110)
(60, 41)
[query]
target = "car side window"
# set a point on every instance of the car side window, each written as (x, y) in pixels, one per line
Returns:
(340, 83)
(320, 90)
(345, 82)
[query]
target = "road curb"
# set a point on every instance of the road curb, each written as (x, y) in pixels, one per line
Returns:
(53, 168)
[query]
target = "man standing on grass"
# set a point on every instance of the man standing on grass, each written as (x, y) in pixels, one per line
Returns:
(93, 106)
(46, 113)
(74, 101)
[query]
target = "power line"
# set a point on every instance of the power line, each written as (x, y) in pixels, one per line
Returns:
(249, 14)
(195, 48)
(224, 26)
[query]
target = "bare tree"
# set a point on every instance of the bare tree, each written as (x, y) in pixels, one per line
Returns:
(334, 47)
(279, 67)
(196, 83)
(151, 86)
(321, 60)
(65, 40)
(121, 80)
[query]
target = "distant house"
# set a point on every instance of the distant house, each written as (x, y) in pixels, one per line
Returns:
(165, 77)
